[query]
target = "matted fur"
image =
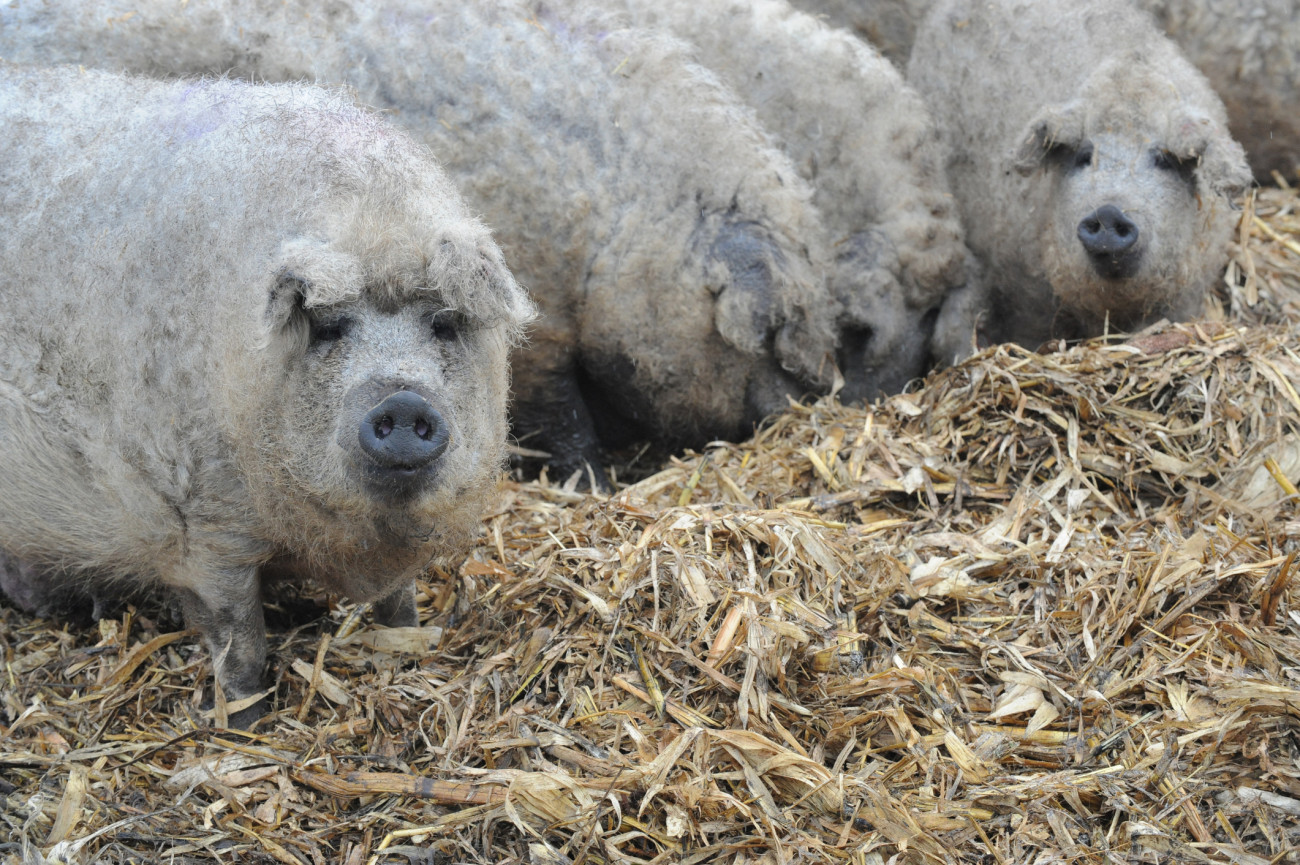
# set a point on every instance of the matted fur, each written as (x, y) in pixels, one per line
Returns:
(164, 250)
(615, 172)
(889, 25)
(1250, 52)
(1053, 109)
(866, 143)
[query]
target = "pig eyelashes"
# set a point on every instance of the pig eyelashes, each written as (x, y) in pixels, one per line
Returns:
(1166, 160)
(444, 325)
(1073, 158)
(1079, 158)
(448, 324)
(324, 332)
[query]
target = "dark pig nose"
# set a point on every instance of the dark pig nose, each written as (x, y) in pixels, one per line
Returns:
(1108, 236)
(404, 433)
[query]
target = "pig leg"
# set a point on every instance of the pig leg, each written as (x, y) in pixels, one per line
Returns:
(44, 591)
(961, 321)
(28, 588)
(226, 608)
(552, 414)
(398, 609)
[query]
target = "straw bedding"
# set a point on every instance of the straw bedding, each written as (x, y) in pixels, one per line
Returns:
(1040, 609)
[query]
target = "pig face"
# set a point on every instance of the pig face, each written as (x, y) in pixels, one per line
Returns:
(1131, 190)
(884, 343)
(378, 423)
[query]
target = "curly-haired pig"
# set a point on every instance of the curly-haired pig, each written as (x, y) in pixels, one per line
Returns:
(866, 143)
(672, 248)
(1091, 161)
(244, 327)
(1250, 52)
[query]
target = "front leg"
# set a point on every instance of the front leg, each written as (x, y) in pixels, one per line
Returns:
(963, 325)
(226, 608)
(397, 610)
(549, 413)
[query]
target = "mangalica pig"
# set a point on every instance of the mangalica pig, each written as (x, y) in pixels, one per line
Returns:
(1092, 163)
(244, 327)
(673, 250)
(865, 142)
(1250, 52)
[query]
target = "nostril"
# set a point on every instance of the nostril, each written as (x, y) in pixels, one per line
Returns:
(1108, 232)
(403, 433)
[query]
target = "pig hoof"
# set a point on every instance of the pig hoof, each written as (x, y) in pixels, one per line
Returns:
(398, 609)
(587, 473)
(244, 718)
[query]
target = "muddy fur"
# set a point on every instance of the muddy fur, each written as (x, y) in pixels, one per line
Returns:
(1250, 52)
(669, 245)
(1054, 111)
(864, 140)
(889, 25)
(170, 255)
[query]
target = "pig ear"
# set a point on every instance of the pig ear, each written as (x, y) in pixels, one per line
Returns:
(1054, 126)
(740, 267)
(324, 275)
(284, 321)
(1221, 167)
(475, 280)
(284, 300)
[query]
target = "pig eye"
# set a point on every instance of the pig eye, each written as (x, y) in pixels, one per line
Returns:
(1082, 157)
(331, 330)
(1185, 169)
(1166, 161)
(447, 324)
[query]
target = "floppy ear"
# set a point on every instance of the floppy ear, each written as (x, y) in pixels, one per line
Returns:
(741, 267)
(1054, 126)
(1221, 167)
(324, 276)
(307, 274)
(284, 299)
(472, 277)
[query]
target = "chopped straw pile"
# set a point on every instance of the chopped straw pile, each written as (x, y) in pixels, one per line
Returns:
(1042, 609)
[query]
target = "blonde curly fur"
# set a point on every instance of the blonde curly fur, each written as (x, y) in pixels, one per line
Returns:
(866, 143)
(1053, 110)
(163, 248)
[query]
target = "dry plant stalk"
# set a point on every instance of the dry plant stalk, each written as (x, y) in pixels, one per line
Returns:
(1041, 609)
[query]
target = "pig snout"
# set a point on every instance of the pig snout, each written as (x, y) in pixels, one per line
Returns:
(1110, 239)
(403, 434)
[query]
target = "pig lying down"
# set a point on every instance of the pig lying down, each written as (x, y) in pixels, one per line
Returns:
(1091, 162)
(865, 142)
(244, 326)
